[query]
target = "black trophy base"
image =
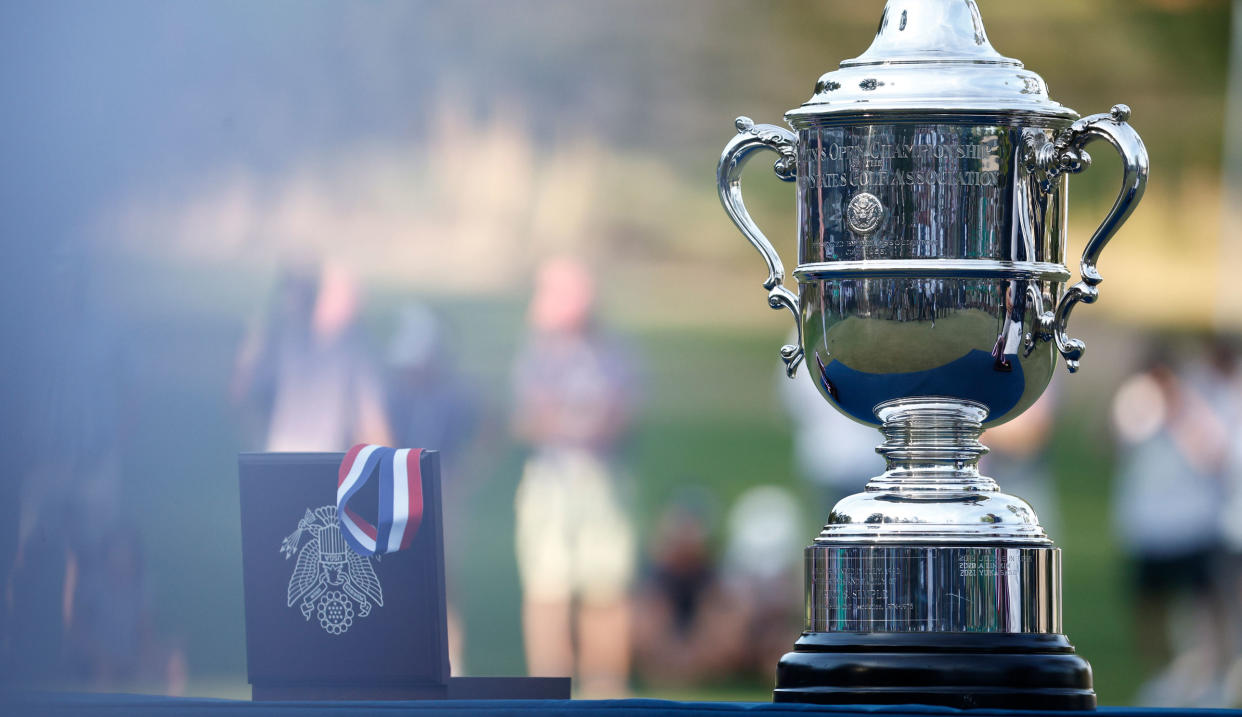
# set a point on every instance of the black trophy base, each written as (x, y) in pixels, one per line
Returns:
(963, 670)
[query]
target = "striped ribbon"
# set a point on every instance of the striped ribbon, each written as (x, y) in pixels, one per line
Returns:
(400, 497)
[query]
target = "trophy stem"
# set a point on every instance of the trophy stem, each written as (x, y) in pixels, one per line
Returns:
(931, 444)
(931, 491)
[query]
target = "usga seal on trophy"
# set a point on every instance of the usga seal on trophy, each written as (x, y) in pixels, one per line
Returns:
(932, 303)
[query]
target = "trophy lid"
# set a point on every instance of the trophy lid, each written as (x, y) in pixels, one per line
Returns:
(930, 56)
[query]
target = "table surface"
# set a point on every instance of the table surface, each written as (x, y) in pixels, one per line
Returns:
(48, 703)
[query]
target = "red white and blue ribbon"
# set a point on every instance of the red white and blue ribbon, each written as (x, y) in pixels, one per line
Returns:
(400, 498)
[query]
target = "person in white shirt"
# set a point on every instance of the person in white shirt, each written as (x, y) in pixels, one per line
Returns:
(1169, 494)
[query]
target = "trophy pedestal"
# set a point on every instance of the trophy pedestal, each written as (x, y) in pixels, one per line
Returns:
(964, 626)
(962, 670)
(932, 586)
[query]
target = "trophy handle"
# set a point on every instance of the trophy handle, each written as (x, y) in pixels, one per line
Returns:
(750, 138)
(1065, 155)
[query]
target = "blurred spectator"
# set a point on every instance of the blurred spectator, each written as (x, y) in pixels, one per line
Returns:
(112, 643)
(1018, 459)
(763, 570)
(1218, 379)
(430, 405)
(1169, 497)
(37, 587)
(575, 545)
(305, 373)
(74, 611)
(689, 628)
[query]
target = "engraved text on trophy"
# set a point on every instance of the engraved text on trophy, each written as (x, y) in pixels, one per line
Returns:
(946, 192)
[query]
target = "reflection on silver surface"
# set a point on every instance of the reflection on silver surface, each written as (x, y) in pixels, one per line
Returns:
(933, 589)
(932, 492)
(931, 268)
(873, 340)
(948, 190)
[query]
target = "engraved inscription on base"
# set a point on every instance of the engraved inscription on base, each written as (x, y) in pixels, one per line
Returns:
(985, 566)
(953, 589)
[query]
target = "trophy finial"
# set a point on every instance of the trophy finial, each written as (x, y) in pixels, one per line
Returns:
(935, 30)
(929, 55)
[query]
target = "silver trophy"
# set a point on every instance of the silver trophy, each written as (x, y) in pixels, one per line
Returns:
(932, 303)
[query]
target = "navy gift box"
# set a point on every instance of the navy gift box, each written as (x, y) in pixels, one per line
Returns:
(323, 622)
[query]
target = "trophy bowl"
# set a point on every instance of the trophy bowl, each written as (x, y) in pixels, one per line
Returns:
(933, 300)
(869, 341)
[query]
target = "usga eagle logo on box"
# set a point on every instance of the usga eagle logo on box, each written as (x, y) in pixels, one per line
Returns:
(329, 579)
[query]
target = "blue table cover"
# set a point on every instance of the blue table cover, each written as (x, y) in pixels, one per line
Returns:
(46, 703)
